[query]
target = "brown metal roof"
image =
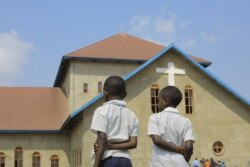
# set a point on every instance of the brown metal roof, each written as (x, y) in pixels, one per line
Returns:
(27, 109)
(122, 46)
(119, 46)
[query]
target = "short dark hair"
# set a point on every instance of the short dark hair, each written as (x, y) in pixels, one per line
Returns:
(115, 86)
(172, 94)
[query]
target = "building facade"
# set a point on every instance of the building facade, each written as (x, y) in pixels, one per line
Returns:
(220, 116)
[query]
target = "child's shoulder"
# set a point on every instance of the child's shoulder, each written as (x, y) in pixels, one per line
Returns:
(154, 116)
(101, 109)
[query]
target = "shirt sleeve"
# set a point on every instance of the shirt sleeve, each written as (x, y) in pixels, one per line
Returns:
(99, 121)
(189, 135)
(135, 129)
(153, 128)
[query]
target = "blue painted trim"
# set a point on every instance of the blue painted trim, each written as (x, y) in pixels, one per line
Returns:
(150, 61)
(213, 77)
(82, 108)
(86, 105)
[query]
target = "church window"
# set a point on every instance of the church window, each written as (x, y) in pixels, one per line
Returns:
(18, 157)
(54, 161)
(188, 99)
(85, 88)
(218, 148)
(36, 157)
(2, 159)
(99, 87)
(154, 98)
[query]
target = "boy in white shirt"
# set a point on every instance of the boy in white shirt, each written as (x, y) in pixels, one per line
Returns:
(171, 133)
(115, 125)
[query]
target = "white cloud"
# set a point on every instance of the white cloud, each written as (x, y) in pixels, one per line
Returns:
(160, 27)
(159, 24)
(140, 24)
(14, 53)
(165, 26)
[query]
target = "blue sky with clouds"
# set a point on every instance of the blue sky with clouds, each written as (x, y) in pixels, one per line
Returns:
(34, 35)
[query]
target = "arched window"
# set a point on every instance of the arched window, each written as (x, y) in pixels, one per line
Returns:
(36, 159)
(154, 98)
(218, 148)
(85, 88)
(54, 161)
(188, 99)
(18, 157)
(99, 87)
(2, 160)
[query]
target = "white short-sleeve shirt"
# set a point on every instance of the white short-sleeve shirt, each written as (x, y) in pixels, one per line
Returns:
(171, 127)
(118, 122)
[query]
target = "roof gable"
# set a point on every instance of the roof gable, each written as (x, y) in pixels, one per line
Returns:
(147, 63)
(119, 46)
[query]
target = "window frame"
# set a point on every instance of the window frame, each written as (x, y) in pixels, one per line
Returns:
(99, 87)
(2, 159)
(189, 99)
(154, 97)
(218, 148)
(54, 160)
(18, 157)
(85, 88)
(36, 159)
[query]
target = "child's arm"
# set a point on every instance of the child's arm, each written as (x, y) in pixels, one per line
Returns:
(131, 143)
(101, 141)
(188, 151)
(169, 146)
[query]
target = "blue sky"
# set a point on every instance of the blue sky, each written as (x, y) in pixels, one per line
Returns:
(34, 35)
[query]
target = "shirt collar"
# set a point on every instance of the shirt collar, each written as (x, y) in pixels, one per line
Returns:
(171, 109)
(116, 102)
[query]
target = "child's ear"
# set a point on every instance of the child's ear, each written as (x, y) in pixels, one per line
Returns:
(124, 94)
(105, 93)
(166, 102)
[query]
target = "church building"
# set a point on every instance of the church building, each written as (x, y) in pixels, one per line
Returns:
(50, 126)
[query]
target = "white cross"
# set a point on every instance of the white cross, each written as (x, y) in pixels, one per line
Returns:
(171, 71)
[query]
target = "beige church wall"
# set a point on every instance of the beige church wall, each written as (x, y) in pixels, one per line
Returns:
(91, 72)
(88, 136)
(217, 115)
(68, 87)
(44, 143)
(77, 149)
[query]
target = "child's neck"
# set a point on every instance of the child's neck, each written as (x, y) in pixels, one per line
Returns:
(113, 98)
(172, 106)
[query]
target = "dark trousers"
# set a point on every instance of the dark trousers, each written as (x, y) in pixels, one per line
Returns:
(116, 162)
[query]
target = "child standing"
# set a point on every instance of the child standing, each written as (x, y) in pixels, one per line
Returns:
(115, 125)
(171, 133)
